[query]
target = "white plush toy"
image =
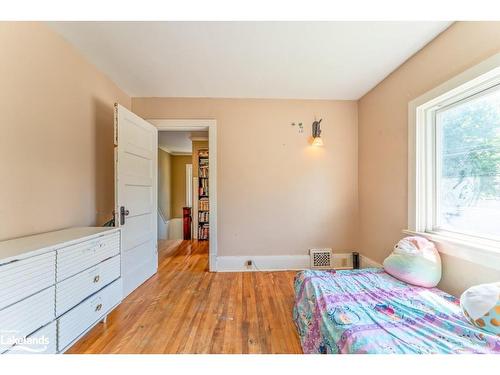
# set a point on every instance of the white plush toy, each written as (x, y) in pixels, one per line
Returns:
(481, 305)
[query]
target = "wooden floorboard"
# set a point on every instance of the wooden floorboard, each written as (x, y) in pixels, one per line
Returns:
(186, 309)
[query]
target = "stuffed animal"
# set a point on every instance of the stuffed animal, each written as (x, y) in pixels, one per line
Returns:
(481, 305)
(416, 261)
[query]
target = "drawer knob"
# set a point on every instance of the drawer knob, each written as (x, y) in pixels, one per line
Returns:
(96, 279)
(98, 307)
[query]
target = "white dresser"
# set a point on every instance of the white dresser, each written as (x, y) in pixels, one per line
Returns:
(55, 286)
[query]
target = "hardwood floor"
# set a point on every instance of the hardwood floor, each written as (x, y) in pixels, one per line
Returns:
(186, 309)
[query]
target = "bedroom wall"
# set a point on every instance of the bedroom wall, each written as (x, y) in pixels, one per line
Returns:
(383, 122)
(56, 147)
(277, 195)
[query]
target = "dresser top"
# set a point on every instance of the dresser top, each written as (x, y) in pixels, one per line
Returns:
(24, 247)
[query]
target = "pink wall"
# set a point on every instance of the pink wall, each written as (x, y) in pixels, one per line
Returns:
(277, 195)
(383, 123)
(56, 148)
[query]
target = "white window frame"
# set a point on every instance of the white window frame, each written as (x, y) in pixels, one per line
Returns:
(422, 163)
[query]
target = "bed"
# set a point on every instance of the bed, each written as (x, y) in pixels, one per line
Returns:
(369, 311)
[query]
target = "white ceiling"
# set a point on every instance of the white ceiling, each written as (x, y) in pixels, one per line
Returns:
(178, 142)
(304, 60)
(175, 142)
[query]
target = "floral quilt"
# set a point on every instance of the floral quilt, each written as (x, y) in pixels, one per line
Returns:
(369, 311)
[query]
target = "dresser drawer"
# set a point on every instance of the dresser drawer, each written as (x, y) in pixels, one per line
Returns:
(23, 278)
(72, 291)
(76, 258)
(42, 341)
(76, 321)
(25, 317)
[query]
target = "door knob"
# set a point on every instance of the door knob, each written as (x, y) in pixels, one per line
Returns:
(123, 213)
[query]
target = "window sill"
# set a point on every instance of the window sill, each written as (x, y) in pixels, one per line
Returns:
(485, 254)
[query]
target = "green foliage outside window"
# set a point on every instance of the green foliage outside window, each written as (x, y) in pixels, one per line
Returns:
(471, 143)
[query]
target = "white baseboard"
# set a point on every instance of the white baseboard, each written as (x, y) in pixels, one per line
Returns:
(283, 262)
(262, 263)
(162, 227)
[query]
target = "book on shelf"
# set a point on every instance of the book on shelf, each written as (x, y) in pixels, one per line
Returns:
(203, 216)
(203, 173)
(203, 189)
(203, 231)
(203, 204)
(203, 192)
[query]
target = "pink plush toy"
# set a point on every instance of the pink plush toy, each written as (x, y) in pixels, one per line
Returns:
(416, 261)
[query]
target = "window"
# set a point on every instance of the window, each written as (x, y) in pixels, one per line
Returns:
(454, 161)
(468, 165)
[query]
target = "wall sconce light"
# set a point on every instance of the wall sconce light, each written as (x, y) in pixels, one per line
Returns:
(316, 133)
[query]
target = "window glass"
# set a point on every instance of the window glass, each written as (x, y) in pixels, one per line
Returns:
(468, 166)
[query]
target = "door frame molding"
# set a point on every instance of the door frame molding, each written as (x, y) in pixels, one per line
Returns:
(201, 125)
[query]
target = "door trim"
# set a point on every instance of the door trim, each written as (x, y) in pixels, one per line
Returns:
(189, 186)
(201, 125)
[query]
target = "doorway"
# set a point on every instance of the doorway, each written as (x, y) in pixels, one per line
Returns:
(204, 181)
(175, 185)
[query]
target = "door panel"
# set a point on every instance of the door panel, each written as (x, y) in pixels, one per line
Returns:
(139, 230)
(136, 189)
(137, 166)
(139, 199)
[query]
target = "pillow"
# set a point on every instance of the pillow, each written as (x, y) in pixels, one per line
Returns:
(481, 305)
(416, 261)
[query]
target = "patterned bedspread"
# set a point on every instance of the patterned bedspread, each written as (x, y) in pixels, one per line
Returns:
(369, 311)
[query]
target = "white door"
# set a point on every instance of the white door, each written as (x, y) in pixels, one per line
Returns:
(136, 159)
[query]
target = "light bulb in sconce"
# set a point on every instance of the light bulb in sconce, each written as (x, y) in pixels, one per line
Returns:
(316, 133)
(317, 141)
